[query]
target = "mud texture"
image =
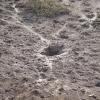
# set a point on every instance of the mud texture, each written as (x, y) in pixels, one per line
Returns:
(50, 58)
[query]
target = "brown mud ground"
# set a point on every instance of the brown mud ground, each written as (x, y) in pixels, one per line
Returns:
(50, 58)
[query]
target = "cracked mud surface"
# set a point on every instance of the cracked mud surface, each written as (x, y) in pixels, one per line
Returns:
(50, 58)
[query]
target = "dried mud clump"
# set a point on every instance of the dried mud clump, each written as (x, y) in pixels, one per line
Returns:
(48, 8)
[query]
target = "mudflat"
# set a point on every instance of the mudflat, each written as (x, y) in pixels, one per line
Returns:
(44, 58)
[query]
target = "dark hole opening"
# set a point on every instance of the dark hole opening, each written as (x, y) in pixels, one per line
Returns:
(52, 50)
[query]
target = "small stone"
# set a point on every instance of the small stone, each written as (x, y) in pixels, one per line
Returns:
(83, 91)
(93, 96)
